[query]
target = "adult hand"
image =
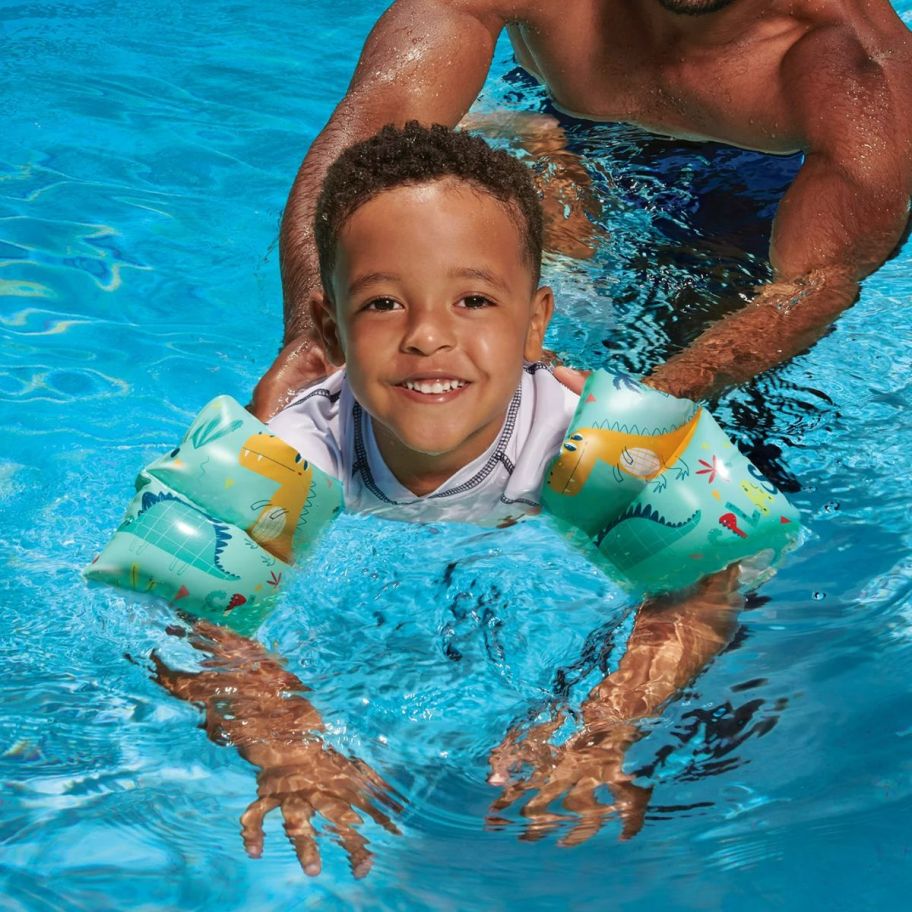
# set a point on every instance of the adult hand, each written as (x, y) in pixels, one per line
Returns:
(569, 201)
(591, 758)
(300, 363)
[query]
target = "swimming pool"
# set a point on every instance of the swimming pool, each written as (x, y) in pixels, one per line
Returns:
(146, 153)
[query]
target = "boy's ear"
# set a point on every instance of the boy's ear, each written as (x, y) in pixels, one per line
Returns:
(323, 312)
(542, 308)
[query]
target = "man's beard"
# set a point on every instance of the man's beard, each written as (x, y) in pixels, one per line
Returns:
(694, 7)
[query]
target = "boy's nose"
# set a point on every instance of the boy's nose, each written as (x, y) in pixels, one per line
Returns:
(427, 332)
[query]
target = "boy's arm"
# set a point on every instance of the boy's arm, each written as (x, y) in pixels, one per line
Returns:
(424, 60)
(252, 702)
(673, 640)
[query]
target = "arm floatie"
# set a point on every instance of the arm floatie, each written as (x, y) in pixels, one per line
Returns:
(216, 524)
(659, 489)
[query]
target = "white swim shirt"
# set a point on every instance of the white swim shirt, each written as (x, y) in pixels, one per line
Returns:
(327, 426)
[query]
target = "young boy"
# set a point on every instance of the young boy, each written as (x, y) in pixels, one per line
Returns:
(430, 249)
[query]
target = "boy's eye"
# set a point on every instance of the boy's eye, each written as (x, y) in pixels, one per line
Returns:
(474, 302)
(382, 304)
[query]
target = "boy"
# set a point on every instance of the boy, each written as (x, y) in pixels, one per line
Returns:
(430, 246)
(443, 411)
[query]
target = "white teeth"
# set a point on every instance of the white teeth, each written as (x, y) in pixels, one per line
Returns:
(434, 387)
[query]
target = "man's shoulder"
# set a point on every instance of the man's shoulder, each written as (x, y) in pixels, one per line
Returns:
(518, 11)
(838, 44)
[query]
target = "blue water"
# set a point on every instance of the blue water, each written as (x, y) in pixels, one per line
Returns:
(146, 152)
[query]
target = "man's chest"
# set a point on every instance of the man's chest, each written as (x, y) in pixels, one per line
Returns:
(730, 94)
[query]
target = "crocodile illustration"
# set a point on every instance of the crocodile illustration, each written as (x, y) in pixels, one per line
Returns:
(628, 450)
(194, 538)
(645, 533)
(275, 526)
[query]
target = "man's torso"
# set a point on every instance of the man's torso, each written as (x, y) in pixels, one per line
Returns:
(715, 76)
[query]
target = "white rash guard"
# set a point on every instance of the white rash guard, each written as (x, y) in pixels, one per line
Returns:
(328, 427)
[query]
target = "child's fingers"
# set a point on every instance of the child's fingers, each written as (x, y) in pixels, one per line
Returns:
(355, 846)
(300, 832)
(354, 797)
(581, 801)
(252, 824)
(378, 787)
(509, 796)
(342, 820)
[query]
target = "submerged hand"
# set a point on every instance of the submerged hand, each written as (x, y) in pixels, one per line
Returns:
(591, 758)
(569, 201)
(305, 779)
(254, 703)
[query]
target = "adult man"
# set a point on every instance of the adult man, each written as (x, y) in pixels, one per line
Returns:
(832, 78)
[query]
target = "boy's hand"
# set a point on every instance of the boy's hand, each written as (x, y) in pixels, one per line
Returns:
(300, 363)
(589, 759)
(305, 779)
(252, 702)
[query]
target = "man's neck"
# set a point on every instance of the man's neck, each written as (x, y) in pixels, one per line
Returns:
(709, 29)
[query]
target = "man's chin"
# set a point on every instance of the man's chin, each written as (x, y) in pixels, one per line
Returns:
(694, 7)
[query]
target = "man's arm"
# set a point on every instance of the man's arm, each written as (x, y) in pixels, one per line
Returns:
(840, 219)
(424, 60)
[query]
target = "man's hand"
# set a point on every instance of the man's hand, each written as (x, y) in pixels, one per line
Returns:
(569, 201)
(589, 759)
(252, 702)
(300, 363)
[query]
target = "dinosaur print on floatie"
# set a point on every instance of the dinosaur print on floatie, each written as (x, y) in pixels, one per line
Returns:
(271, 457)
(628, 451)
(190, 536)
(641, 532)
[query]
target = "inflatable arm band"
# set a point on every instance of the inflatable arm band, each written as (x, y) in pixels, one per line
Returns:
(216, 524)
(659, 489)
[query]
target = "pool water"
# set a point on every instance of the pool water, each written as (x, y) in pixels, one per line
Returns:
(146, 153)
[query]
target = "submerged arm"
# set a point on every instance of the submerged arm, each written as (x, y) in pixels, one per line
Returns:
(840, 219)
(252, 702)
(673, 640)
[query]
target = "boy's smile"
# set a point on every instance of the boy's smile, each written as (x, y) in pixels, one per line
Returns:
(435, 309)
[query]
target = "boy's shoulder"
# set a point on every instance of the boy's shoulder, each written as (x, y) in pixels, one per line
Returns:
(311, 423)
(542, 421)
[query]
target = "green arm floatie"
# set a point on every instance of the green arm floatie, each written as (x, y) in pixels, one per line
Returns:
(664, 495)
(216, 524)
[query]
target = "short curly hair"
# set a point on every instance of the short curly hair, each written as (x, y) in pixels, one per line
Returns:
(416, 154)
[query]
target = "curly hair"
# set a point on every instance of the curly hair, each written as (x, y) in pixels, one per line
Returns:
(415, 155)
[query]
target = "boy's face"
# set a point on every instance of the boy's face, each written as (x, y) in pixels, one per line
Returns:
(435, 309)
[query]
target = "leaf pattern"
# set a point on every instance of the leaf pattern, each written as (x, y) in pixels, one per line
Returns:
(212, 430)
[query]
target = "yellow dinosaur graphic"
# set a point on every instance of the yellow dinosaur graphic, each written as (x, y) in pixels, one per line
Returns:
(642, 456)
(757, 496)
(273, 458)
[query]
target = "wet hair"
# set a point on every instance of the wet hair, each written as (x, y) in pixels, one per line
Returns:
(417, 155)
